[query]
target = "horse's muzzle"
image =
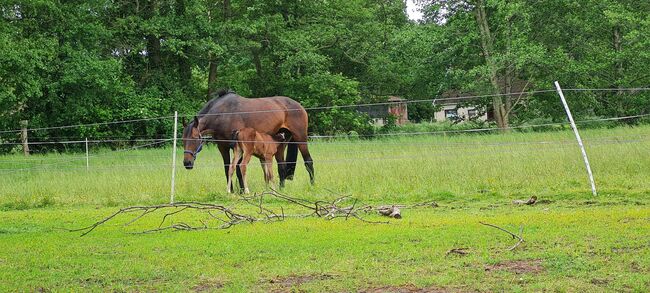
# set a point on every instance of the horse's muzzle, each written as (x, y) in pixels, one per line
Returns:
(188, 164)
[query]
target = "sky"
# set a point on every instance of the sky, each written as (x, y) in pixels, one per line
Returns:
(412, 10)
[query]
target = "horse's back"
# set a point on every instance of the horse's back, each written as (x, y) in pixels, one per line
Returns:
(267, 115)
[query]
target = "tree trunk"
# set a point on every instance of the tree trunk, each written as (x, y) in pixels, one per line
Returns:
(184, 66)
(212, 76)
(153, 52)
(499, 108)
(617, 40)
(153, 42)
(23, 136)
(213, 63)
(257, 61)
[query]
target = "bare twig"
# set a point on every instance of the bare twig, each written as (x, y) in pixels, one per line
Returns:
(233, 217)
(514, 236)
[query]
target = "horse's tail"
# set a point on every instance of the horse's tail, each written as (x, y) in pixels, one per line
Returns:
(292, 157)
(234, 138)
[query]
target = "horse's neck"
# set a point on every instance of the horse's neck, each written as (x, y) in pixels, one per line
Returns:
(204, 129)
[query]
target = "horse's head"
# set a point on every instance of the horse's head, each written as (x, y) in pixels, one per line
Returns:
(192, 143)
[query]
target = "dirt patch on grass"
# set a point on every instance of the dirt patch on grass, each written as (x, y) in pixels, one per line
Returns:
(296, 280)
(599, 282)
(530, 266)
(207, 286)
(408, 288)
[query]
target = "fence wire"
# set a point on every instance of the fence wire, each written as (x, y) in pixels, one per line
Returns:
(459, 98)
(358, 156)
(325, 138)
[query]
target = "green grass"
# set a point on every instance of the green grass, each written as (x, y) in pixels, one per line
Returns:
(574, 241)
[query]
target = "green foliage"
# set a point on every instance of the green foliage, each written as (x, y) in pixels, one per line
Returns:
(422, 112)
(389, 124)
(83, 62)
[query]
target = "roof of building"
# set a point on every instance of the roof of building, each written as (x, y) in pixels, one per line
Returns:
(395, 99)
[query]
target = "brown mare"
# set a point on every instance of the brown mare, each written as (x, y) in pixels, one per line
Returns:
(228, 111)
(249, 142)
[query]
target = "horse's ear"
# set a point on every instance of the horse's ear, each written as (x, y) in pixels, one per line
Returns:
(184, 121)
(196, 122)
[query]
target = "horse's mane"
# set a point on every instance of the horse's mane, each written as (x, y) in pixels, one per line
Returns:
(215, 96)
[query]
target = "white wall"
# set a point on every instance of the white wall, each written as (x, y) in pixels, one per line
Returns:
(462, 112)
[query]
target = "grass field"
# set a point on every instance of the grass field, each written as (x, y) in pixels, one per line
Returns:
(573, 241)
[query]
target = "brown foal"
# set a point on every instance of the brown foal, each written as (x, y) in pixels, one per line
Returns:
(249, 142)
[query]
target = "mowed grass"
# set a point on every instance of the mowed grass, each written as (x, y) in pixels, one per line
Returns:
(578, 248)
(573, 241)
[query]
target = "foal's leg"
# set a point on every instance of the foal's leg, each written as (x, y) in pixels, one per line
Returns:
(243, 165)
(263, 164)
(224, 149)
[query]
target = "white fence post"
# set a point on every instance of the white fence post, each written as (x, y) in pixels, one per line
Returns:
(575, 130)
(87, 159)
(171, 200)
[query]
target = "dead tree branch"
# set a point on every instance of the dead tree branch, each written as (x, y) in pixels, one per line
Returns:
(341, 207)
(514, 236)
(233, 217)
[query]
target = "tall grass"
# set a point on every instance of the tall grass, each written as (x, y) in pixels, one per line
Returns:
(395, 169)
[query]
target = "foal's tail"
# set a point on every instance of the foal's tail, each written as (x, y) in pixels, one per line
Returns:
(292, 157)
(234, 138)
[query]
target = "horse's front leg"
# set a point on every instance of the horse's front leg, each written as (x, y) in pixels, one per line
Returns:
(231, 168)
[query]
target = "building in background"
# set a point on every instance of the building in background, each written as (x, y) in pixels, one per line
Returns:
(450, 110)
(395, 106)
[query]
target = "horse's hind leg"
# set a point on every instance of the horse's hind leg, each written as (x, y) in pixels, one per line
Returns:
(300, 141)
(290, 163)
(282, 165)
(268, 171)
(309, 163)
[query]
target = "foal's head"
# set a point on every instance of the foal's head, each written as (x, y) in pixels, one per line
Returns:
(192, 143)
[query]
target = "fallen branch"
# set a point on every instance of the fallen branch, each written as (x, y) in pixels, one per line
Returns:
(514, 236)
(327, 209)
(232, 217)
(227, 217)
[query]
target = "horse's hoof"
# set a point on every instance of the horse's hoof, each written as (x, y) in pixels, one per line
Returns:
(289, 177)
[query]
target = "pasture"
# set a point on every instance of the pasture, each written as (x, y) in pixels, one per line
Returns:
(573, 241)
